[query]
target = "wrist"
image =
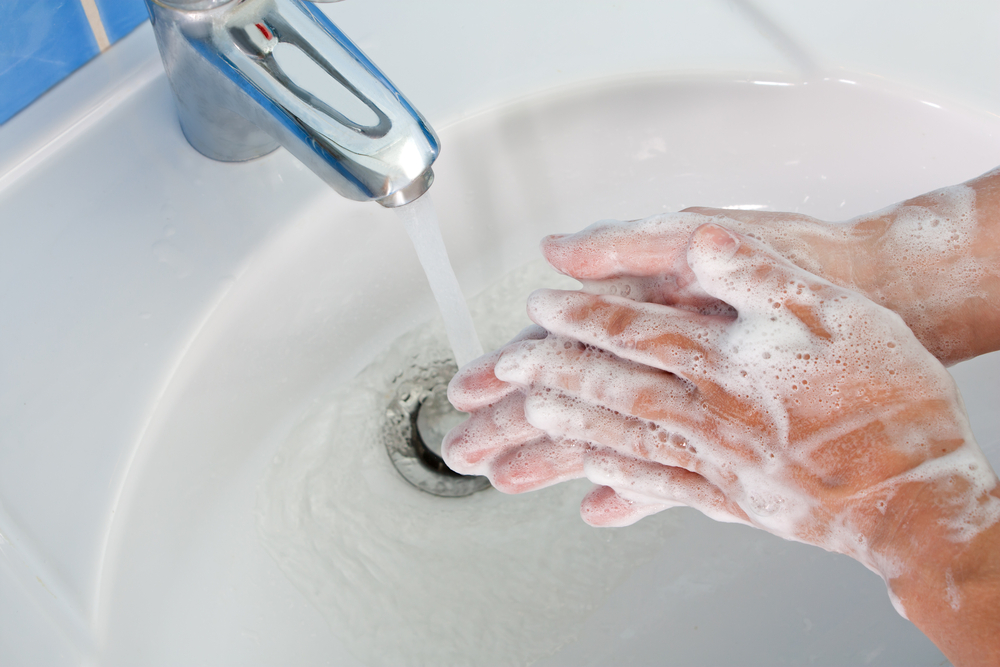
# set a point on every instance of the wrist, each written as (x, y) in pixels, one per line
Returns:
(950, 590)
(930, 260)
(941, 564)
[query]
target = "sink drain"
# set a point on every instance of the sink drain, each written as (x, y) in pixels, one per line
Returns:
(417, 419)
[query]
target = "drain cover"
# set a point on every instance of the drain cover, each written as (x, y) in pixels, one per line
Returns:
(417, 418)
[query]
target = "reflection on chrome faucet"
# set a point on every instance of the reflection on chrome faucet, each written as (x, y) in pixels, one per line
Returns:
(250, 75)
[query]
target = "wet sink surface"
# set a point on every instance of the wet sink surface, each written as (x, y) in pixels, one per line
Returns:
(332, 289)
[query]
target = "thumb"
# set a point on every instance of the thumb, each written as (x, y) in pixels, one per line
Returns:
(742, 271)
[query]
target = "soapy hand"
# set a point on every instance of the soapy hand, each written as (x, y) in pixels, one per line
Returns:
(704, 368)
(642, 260)
(807, 414)
(765, 395)
(646, 260)
(933, 259)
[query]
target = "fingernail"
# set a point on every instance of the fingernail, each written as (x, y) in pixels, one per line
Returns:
(722, 243)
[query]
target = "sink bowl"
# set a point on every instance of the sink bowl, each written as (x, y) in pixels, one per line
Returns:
(305, 316)
(178, 320)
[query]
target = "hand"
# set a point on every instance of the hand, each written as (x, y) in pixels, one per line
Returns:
(947, 292)
(803, 415)
(643, 260)
(813, 413)
(497, 441)
(500, 443)
(646, 260)
(933, 259)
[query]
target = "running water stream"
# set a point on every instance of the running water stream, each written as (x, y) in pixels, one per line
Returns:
(421, 223)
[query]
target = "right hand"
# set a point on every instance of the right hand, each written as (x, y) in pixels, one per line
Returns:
(933, 259)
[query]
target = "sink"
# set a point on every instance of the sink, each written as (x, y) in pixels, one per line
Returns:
(175, 320)
(305, 316)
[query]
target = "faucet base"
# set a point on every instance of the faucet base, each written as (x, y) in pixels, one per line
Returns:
(231, 139)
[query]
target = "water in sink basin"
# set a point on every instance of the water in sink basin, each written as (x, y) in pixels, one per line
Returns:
(405, 577)
(305, 318)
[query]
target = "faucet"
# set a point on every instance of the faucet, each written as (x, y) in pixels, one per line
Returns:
(245, 74)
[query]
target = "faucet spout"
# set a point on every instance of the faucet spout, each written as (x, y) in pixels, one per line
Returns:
(251, 75)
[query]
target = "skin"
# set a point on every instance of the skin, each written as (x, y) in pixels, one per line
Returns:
(849, 435)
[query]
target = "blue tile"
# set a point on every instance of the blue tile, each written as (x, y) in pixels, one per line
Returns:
(41, 41)
(120, 17)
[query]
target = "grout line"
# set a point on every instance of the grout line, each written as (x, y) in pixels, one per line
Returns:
(96, 24)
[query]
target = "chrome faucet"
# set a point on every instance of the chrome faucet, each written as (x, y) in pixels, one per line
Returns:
(245, 76)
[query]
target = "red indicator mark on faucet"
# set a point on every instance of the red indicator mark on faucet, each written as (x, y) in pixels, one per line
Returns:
(264, 31)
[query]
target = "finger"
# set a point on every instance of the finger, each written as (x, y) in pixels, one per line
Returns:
(756, 280)
(604, 508)
(658, 244)
(538, 464)
(651, 482)
(470, 447)
(562, 416)
(609, 249)
(667, 338)
(653, 289)
(597, 377)
(476, 386)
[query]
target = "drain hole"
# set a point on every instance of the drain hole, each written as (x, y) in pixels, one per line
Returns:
(417, 419)
(431, 458)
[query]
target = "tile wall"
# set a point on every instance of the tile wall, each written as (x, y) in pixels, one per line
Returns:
(43, 41)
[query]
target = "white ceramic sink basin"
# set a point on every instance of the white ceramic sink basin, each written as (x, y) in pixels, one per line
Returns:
(169, 320)
(306, 315)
